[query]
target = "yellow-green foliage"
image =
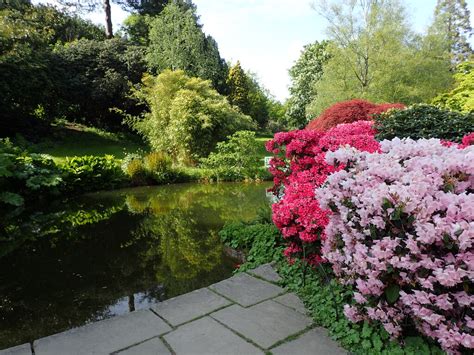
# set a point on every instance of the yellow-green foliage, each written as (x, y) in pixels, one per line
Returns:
(187, 116)
(157, 162)
(135, 169)
(461, 98)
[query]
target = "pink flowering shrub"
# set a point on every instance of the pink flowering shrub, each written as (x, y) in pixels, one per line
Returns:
(401, 232)
(298, 169)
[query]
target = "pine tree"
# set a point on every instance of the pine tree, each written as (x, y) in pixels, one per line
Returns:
(239, 88)
(452, 21)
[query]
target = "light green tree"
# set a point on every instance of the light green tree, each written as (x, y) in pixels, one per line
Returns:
(239, 88)
(304, 74)
(461, 98)
(187, 116)
(376, 56)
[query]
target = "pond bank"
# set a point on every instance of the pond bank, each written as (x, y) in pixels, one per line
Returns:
(245, 314)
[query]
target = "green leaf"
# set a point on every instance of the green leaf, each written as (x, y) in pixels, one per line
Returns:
(11, 198)
(392, 293)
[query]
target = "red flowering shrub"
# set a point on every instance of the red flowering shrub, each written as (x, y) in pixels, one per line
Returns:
(298, 169)
(348, 112)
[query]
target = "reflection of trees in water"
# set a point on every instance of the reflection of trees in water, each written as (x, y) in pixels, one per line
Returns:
(69, 265)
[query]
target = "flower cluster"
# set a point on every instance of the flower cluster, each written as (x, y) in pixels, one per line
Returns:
(401, 232)
(298, 169)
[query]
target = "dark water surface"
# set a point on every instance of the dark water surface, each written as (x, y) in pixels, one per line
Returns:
(110, 253)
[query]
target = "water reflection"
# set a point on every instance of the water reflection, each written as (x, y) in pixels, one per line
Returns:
(109, 253)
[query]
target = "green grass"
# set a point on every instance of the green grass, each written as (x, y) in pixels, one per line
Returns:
(262, 151)
(70, 140)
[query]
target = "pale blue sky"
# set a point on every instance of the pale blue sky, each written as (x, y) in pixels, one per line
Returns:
(267, 35)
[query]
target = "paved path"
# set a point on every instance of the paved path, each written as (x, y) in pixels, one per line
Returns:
(245, 315)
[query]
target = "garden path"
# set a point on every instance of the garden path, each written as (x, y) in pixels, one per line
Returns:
(245, 314)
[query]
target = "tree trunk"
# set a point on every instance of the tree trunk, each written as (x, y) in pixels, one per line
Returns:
(108, 19)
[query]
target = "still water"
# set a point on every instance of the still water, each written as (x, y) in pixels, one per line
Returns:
(110, 253)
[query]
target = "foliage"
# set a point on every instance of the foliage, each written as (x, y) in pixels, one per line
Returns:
(304, 74)
(178, 42)
(99, 73)
(461, 98)
(187, 116)
(239, 88)
(424, 121)
(452, 23)
(24, 177)
(374, 55)
(91, 173)
(137, 28)
(348, 112)
(298, 168)
(237, 158)
(152, 168)
(400, 232)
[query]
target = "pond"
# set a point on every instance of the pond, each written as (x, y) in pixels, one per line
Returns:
(110, 253)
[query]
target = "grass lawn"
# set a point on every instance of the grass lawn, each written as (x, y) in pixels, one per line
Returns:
(262, 151)
(74, 139)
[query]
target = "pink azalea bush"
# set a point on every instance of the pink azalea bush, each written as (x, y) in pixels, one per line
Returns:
(401, 232)
(298, 169)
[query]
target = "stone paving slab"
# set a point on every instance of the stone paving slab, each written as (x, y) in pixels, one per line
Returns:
(153, 346)
(265, 324)
(246, 290)
(293, 301)
(24, 349)
(314, 342)
(105, 336)
(189, 306)
(205, 336)
(266, 272)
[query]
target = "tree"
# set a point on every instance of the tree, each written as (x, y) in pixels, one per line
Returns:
(143, 7)
(239, 88)
(187, 116)
(304, 74)
(376, 56)
(452, 23)
(92, 5)
(461, 98)
(176, 41)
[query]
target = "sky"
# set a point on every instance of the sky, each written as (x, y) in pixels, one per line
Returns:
(268, 35)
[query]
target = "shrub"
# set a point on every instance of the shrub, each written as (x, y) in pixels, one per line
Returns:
(25, 176)
(401, 233)
(237, 158)
(347, 112)
(297, 170)
(152, 168)
(91, 173)
(187, 117)
(424, 121)
(461, 98)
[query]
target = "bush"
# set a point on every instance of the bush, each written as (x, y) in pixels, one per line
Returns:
(187, 116)
(95, 76)
(348, 112)
(236, 159)
(297, 170)
(401, 233)
(461, 98)
(25, 177)
(424, 121)
(152, 168)
(91, 173)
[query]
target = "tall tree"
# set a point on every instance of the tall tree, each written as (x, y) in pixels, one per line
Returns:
(176, 41)
(452, 23)
(376, 56)
(304, 74)
(143, 7)
(239, 88)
